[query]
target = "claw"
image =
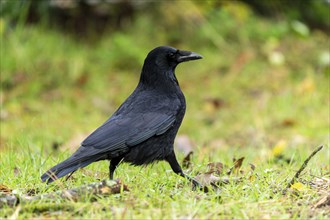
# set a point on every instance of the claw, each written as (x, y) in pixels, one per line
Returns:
(196, 184)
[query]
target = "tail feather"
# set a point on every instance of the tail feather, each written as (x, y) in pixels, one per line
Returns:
(68, 166)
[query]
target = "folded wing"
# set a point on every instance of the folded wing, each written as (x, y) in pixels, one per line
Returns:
(112, 139)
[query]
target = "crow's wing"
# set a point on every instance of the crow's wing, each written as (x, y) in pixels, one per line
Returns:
(113, 138)
(134, 122)
(119, 133)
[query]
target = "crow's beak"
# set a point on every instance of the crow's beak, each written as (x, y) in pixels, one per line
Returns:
(187, 55)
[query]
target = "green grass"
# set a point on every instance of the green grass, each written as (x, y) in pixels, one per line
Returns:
(55, 88)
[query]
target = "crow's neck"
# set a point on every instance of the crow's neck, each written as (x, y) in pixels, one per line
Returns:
(159, 79)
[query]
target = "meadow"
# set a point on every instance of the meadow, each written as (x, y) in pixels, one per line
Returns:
(261, 92)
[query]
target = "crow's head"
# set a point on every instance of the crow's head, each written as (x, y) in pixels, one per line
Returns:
(161, 62)
(170, 57)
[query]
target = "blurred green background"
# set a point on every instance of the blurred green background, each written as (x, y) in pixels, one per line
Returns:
(66, 65)
(260, 92)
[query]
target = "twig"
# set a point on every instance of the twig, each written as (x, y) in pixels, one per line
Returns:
(103, 188)
(303, 166)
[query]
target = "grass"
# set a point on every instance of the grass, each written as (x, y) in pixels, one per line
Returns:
(241, 103)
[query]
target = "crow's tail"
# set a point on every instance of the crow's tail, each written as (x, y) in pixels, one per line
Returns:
(68, 166)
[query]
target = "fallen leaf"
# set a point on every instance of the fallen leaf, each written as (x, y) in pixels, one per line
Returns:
(4, 189)
(215, 167)
(237, 165)
(253, 167)
(105, 190)
(186, 163)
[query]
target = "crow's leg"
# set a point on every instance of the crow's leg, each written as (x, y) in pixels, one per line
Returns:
(171, 159)
(113, 165)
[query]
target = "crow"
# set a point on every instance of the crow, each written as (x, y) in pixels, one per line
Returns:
(143, 128)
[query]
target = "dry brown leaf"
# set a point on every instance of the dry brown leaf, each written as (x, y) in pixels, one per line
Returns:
(215, 167)
(4, 189)
(105, 190)
(186, 163)
(253, 167)
(237, 165)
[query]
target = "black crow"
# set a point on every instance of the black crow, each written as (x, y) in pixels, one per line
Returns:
(143, 128)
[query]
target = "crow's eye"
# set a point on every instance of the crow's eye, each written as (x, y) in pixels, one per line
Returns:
(171, 55)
